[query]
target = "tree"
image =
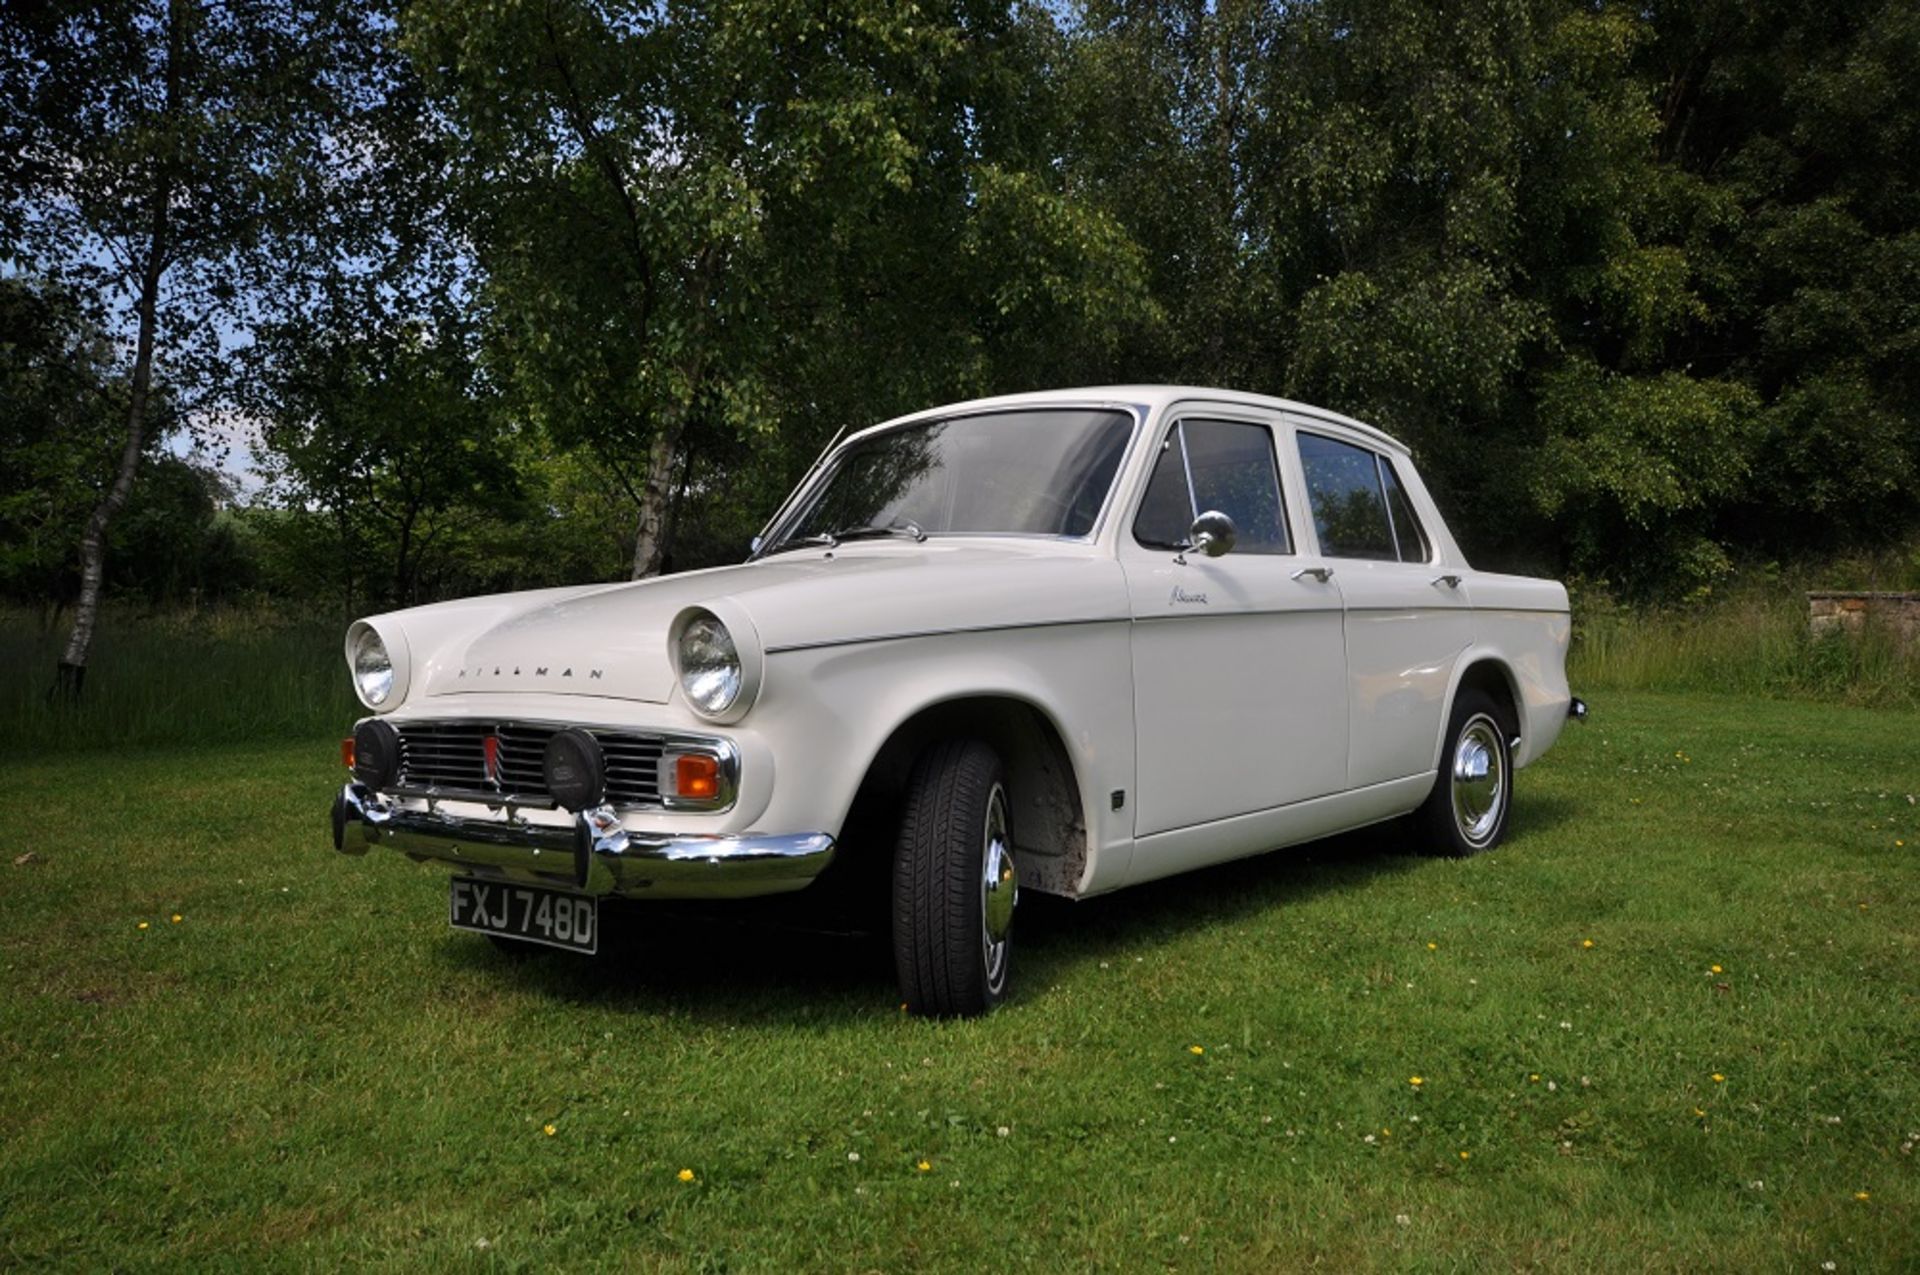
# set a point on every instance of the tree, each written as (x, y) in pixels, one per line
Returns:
(59, 396)
(174, 157)
(390, 436)
(697, 222)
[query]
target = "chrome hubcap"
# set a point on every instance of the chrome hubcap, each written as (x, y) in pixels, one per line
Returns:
(999, 889)
(1479, 779)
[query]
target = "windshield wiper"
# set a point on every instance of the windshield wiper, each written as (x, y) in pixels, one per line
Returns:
(822, 541)
(832, 539)
(903, 527)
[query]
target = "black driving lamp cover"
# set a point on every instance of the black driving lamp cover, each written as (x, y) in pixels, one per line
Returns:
(576, 770)
(376, 753)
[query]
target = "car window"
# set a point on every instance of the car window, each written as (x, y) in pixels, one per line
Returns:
(1408, 534)
(1223, 465)
(1042, 471)
(1349, 508)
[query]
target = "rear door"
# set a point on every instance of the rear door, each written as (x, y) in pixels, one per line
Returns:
(1408, 620)
(1240, 682)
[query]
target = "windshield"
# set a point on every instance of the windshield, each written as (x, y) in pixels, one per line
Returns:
(1041, 472)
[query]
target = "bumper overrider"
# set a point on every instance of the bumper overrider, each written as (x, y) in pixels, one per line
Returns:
(595, 854)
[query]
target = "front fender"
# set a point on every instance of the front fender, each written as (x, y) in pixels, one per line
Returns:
(826, 713)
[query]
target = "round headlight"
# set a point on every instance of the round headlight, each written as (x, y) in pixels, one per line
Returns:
(709, 665)
(372, 667)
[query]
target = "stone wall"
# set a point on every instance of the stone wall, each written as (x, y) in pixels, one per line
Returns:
(1851, 613)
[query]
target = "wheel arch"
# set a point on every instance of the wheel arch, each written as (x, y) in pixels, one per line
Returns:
(1044, 790)
(1484, 671)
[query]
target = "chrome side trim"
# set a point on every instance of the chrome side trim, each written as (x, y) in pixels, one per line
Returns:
(949, 632)
(596, 854)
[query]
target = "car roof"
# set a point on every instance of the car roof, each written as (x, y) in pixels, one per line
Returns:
(1150, 397)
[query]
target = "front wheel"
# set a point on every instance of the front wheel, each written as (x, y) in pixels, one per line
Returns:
(1473, 791)
(954, 883)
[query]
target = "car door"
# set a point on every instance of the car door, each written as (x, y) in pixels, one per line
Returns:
(1407, 619)
(1239, 670)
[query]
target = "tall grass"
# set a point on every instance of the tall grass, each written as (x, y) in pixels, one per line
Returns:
(1753, 641)
(255, 674)
(200, 676)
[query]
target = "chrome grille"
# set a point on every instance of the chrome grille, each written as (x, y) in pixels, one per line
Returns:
(451, 758)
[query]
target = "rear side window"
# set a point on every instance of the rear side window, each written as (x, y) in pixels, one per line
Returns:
(1360, 507)
(1349, 506)
(1223, 465)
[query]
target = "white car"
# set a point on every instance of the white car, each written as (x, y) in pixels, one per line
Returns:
(1065, 642)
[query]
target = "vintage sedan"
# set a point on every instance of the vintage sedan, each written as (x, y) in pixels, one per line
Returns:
(1065, 642)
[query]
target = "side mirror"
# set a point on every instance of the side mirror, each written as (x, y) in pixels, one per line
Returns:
(1213, 533)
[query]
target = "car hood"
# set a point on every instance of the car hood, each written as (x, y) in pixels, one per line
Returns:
(611, 640)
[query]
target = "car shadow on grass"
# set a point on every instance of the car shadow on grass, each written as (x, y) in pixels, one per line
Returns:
(763, 963)
(1057, 935)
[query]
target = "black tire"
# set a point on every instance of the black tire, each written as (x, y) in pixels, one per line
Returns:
(954, 830)
(1472, 797)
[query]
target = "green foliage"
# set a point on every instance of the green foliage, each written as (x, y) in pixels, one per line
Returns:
(1637, 465)
(391, 441)
(58, 402)
(1638, 285)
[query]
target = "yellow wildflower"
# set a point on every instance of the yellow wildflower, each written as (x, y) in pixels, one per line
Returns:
(685, 1175)
(1416, 1081)
(1433, 947)
(1586, 942)
(143, 925)
(1863, 1195)
(1534, 1076)
(1195, 1050)
(1701, 1112)
(1714, 968)
(549, 1130)
(175, 918)
(924, 1166)
(1718, 1078)
(1466, 1155)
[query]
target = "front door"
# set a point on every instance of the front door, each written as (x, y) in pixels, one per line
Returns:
(1239, 665)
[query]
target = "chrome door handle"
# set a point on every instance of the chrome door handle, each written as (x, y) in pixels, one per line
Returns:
(1450, 580)
(1322, 574)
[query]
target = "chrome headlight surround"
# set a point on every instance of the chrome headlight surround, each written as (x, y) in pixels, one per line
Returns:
(717, 660)
(378, 663)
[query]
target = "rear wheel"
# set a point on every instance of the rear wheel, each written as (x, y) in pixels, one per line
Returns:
(954, 883)
(1472, 795)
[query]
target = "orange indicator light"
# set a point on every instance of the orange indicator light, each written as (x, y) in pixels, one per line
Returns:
(696, 775)
(346, 752)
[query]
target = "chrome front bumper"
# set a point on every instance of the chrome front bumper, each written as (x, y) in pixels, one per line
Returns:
(596, 854)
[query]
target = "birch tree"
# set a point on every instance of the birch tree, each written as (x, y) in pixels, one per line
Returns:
(170, 161)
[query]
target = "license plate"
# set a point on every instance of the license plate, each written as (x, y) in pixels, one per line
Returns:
(531, 913)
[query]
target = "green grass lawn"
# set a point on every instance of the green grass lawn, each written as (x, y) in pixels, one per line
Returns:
(308, 1068)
